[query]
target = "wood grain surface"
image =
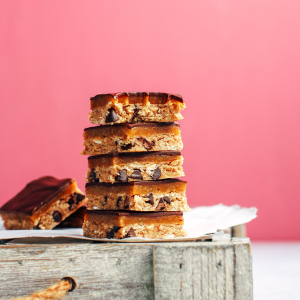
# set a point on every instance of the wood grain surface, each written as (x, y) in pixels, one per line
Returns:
(193, 270)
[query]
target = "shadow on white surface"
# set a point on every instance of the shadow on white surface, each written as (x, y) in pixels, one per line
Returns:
(276, 271)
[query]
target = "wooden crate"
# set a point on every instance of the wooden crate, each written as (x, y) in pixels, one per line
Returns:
(190, 270)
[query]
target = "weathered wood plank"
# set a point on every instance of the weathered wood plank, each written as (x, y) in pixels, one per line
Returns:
(101, 271)
(204, 291)
(243, 269)
(221, 277)
(176, 271)
(229, 267)
(193, 270)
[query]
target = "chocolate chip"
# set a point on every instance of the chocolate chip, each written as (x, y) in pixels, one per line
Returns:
(112, 116)
(116, 143)
(146, 144)
(92, 176)
(126, 147)
(161, 205)
(79, 197)
(116, 228)
(136, 175)
(57, 217)
(122, 176)
(105, 200)
(151, 200)
(135, 113)
(71, 200)
(130, 233)
(157, 173)
(126, 202)
(167, 199)
(153, 143)
(119, 201)
(110, 234)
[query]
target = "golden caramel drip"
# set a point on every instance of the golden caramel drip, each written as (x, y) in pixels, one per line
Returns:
(135, 98)
(128, 130)
(156, 157)
(121, 220)
(137, 188)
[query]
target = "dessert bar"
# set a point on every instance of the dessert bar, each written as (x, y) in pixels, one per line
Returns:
(120, 224)
(42, 204)
(162, 195)
(141, 137)
(132, 166)
(135, 108)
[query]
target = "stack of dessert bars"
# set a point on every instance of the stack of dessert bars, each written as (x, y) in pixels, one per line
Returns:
(131, 188)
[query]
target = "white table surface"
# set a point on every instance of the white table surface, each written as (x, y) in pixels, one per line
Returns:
(276, 271)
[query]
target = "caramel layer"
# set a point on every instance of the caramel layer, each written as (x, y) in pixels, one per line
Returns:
(130, 130)
(134, 98)
(116, 158)
(122, 219)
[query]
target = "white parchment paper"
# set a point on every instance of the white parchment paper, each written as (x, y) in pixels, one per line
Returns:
(198, 222)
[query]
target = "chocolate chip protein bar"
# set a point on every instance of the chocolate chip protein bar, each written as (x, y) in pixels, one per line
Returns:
(120, 224)
(141, 137)
(42, 204)
(135, 108)
(162, 195)
(124, 167)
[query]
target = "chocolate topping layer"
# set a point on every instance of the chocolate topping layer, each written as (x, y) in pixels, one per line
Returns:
(153, 214)
(136, 154)
(139, 97)
(130, 126)
(131, 183)
(35, 194)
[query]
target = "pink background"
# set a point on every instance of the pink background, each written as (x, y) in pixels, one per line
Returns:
(236, 63)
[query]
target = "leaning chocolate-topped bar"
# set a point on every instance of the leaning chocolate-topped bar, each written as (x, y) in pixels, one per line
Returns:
(119, 224)
(134, 166)
(162, 195)
(42, 204)
(139, 137)
(135, 108)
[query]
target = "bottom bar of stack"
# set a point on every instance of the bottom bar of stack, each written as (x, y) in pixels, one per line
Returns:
(121, 224)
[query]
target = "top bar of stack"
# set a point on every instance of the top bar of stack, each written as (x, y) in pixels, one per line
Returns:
(135, 108)
(122, 201)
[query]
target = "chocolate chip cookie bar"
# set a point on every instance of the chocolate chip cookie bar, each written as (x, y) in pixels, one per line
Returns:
(162, 195)
(42, 204)
(120, 224)
(141, 137)
(124, 167)
(135, 108)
